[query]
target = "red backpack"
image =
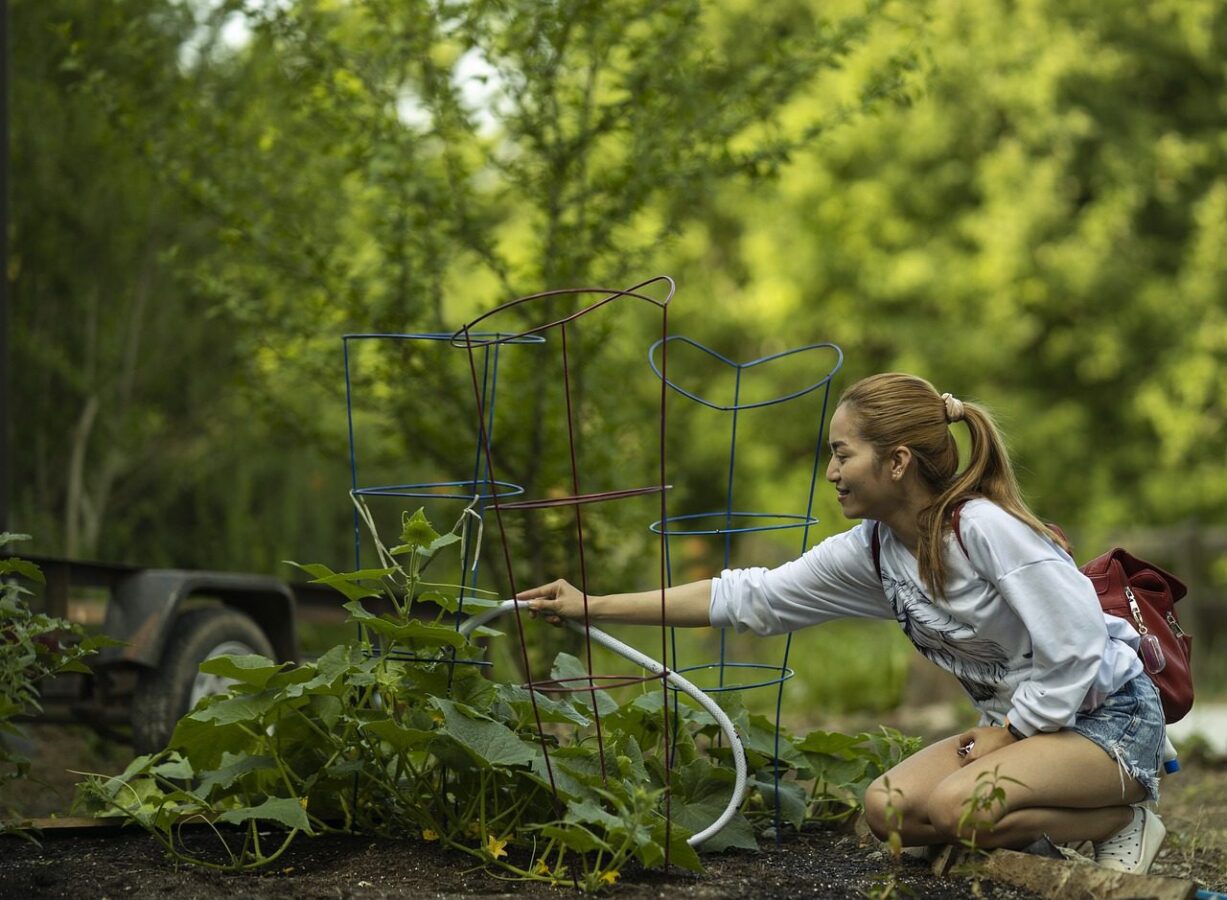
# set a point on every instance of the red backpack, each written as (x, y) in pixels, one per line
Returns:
(1145, 596)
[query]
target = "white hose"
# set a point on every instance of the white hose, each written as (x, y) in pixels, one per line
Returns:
(646, 662)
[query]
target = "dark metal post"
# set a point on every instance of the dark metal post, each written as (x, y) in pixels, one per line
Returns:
(4, 265)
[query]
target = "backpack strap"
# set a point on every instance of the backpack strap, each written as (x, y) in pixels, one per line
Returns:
(954, 523)
(875, 545)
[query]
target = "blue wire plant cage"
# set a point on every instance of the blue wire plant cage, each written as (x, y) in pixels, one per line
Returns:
(736, 401)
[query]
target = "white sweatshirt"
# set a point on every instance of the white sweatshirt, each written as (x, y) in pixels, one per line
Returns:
(1020, 627)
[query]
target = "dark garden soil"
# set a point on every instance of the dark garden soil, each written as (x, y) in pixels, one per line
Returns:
(129, 864)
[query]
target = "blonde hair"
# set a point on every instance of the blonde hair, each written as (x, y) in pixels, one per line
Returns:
(894, 410)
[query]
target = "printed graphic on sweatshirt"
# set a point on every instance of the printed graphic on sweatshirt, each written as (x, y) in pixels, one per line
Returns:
(980, 665)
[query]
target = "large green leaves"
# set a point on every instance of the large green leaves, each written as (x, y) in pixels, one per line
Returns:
(253, 671)
(488, 742)
(406, 631)
(290, 812)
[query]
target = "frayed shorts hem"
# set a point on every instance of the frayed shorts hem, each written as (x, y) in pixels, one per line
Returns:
(1129, 727)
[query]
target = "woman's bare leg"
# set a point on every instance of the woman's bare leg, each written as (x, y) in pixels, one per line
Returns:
(899, 800)
(1061, 785)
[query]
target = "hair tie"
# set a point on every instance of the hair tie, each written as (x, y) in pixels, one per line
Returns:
(954, 408)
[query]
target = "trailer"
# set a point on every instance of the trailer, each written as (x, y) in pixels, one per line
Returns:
(168, 621)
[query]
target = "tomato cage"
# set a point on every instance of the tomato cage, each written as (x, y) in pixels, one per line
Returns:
(727, 391)
(582, 321)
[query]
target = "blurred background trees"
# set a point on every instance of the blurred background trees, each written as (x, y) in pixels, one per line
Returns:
(1025, 202)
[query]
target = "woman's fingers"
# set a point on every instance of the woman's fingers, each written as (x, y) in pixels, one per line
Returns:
(542, 599)
(549, 600)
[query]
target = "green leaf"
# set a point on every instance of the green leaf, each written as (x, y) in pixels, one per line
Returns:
(793, 800)
(341, 581)
(550, 710)
(357, 612)
(829, 742)
(568, 786)
(22, 567)
(250, 669)
(245, 708)
(452, 603)
(325, 673)
(490, 743)
(443, 540)
(630, 761)
(699, 779)
(589, 812)
(94, 642)
(205, 742)
(837, 770)
(575, 837)
(680, 853)
(402, 739)
(288, 811)
(140, 765)
(416, 632)
(233, 768)
(176, 768)
(696, 816)
(761, 737)
(574, 674)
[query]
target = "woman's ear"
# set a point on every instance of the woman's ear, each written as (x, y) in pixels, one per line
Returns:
(900, 459)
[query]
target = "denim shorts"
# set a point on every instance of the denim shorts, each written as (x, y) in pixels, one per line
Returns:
(1129, 727)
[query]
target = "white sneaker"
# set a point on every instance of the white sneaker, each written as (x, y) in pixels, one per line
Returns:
(1134, 847)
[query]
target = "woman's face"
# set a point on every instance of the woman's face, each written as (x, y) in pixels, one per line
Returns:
(862, 482)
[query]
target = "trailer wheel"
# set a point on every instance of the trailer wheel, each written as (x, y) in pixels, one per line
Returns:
(165, 694)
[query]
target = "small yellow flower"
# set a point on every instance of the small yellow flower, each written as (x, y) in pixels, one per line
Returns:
(610, 876)
(429, 834)
(494, 846)
(541, 868)
(473, 830)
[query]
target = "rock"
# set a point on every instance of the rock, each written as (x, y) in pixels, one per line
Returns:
(1079, 881)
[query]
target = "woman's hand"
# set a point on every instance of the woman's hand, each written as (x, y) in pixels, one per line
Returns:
(683, 605)
(555, 601)
(980, 742)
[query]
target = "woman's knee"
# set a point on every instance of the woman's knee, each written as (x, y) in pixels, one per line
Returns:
(886, 808)
(955, 813)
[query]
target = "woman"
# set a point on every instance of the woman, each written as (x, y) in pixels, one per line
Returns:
(1071, 730)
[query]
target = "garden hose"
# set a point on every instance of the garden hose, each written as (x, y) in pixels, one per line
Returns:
(646, 662)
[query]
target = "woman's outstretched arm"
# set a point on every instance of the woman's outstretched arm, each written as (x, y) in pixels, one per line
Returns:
(686, 605)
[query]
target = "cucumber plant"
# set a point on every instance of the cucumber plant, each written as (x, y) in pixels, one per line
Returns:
(399, 733)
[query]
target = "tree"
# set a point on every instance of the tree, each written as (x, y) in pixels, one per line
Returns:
(125, 379)
(336, 172)
(1035, 231)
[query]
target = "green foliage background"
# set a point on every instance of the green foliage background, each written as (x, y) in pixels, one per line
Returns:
(1023, 200)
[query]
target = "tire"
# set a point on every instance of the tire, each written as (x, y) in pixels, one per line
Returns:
(165, 694)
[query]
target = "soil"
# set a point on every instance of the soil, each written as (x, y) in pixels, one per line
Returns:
(130, 864)
(124, 862)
